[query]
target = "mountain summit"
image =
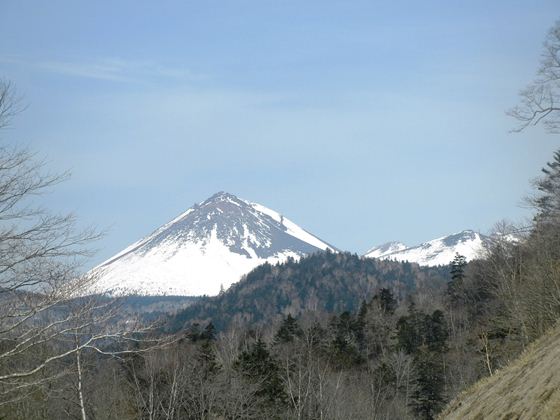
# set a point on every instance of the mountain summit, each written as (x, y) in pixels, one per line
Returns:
(440, 251)
(208, 247)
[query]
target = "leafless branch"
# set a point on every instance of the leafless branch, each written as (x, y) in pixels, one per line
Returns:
(540, 101)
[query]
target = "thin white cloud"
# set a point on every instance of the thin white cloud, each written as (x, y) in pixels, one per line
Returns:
(103, 70)
(111, 69)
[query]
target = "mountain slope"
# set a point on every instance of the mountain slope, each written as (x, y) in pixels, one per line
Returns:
(208, 247)
(529, 388)
(440, 251)
(385, 249)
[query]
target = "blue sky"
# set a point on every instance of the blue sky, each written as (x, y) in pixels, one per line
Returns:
(362, 121)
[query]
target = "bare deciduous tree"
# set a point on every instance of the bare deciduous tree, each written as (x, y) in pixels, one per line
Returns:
(540, 101)
(47, 324)
(39, 253)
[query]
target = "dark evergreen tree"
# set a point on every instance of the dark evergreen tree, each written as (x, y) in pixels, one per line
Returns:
(193, 332)
(436, 332)
(363, 310)
(206, 356)
(289, 330)
(258, 366)
(428, 397)
(209, 333)
(457, 278)
(347, 336)
(425, 338)
(206, 352)
(410, 330)
(547, 201)
(387, 301)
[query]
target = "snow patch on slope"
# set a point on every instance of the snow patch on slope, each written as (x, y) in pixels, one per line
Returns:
(291, 228)
(385, 249)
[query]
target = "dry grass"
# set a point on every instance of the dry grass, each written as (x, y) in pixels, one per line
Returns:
(529, 388)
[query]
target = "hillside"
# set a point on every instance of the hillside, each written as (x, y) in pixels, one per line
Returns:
(322, 282)
(529, 388)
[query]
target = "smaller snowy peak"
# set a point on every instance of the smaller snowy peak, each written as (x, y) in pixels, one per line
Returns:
(385, 249)
(439, 251)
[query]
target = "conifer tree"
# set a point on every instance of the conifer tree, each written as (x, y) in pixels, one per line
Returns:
(437, 332)
(348, 335)
(209, 333)
(387, 301)
(410, 329)
(547, 201)
(428, 397)
(258, 366)
(457, 277)
(289, 330)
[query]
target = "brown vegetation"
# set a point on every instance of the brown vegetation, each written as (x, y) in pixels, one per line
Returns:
(529, 388)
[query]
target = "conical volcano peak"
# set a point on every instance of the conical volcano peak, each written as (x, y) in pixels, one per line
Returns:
(210, 245)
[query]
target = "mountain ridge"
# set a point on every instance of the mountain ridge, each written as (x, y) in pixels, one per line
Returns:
(438, 251)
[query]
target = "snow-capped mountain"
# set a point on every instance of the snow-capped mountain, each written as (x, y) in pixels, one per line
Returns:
(208, 247)
(385, 249)
(440, 251)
